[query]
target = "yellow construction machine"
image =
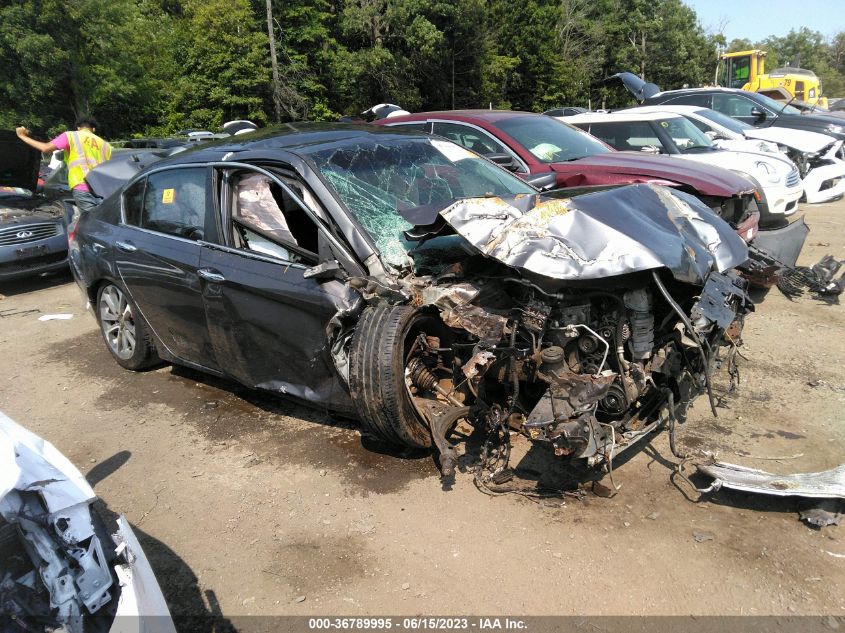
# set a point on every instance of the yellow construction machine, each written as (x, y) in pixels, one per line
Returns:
(747, 70)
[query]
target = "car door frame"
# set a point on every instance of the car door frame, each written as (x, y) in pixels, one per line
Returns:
(339, 251)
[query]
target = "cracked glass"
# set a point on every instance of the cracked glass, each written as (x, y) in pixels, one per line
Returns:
(390, 186)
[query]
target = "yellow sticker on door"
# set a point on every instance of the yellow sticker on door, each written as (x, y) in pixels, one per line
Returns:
(167, 196)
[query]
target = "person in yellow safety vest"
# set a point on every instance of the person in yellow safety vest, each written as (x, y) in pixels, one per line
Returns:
(83, 150)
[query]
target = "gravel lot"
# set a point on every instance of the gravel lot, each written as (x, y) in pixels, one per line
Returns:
(248, 504)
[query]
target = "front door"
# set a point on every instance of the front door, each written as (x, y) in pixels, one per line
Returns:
(269, 324)
(157, 254)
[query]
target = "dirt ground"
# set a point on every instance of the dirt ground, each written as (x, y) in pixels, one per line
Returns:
(246, 503)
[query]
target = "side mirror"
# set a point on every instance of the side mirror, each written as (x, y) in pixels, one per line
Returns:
(713, 135)
(543, 182)
(326, 272)
(650, 149)
(502, 159)
(757, 112)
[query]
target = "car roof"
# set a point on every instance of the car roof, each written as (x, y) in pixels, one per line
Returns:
(665, 107)
(680, 91)
(297, 138)
(484, 115)
(622, 115)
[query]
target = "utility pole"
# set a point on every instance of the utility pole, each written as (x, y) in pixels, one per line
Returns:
(274, 62)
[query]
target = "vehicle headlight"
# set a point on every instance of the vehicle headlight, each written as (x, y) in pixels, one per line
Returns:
(769, 170)
(834, 129)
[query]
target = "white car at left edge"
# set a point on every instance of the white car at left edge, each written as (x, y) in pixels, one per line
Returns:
(59, 567)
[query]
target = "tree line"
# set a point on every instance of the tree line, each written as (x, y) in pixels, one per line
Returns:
(153, 67)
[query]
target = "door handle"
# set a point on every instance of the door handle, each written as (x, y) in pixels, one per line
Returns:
(126, 247)
(209, 274)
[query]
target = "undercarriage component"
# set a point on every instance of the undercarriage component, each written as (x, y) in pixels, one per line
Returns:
(440, 426)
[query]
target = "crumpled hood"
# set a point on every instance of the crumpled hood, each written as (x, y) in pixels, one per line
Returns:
(599, 235)
(802, 140)
(19, 162)
(707, 180)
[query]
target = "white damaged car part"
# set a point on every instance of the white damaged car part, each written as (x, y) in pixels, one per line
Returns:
(816, 155)
(58, 567)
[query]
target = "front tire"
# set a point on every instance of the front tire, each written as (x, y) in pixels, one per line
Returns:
(377, 373)
(124, 331)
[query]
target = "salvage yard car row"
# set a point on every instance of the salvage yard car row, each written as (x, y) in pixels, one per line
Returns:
(393, 274)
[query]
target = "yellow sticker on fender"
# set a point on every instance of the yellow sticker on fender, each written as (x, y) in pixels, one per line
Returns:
(167, 196)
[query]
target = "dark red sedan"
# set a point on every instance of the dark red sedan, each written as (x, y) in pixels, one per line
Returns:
(532, 146)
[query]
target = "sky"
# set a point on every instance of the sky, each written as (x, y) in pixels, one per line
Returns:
(757, 19)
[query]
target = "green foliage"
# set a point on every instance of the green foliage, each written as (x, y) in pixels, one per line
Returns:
(155, 66)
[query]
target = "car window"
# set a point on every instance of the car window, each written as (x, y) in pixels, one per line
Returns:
(391, 185)
(702, 100)
(725, 121)
(733, 105)
(421, 126)
(684, 134)
(550, 140)
(630, 136)
(175, 203)
(701, 125)
(268, 220)
(133, 199)
(469, 137)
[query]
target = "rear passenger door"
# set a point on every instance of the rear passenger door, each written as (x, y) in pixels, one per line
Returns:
(269, 321)
(157, 254)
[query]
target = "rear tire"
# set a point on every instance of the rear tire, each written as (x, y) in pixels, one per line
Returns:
(377, 374)
(124, 330)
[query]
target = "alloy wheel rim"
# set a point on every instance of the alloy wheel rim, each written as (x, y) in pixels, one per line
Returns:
(117, 322)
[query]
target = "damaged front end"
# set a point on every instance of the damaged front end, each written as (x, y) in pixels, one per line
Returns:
(583, 324)
(59, 570)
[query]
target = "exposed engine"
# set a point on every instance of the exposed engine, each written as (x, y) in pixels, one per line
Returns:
(587, 372)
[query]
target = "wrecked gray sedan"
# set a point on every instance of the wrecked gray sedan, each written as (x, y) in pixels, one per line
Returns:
(406, 281)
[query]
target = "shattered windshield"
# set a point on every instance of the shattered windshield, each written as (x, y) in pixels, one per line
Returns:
(725, 121)
(685, 135)
(390, 186)
(550, 140)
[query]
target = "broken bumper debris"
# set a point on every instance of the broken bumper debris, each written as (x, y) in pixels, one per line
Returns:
(58, 569)
(828, 484)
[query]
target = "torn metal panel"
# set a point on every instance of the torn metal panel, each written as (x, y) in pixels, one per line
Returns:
(624, 230)
(485, 325)
(140, 592)
(828, 484)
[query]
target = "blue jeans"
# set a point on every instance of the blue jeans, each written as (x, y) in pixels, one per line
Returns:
(85, 200)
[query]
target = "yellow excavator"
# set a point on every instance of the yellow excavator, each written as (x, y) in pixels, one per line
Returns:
(747, 70)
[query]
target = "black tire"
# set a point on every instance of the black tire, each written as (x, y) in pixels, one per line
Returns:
(110, 308)
(377, 374)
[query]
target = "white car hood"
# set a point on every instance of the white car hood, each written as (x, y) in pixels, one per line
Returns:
(741, 161)
(802, 140)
